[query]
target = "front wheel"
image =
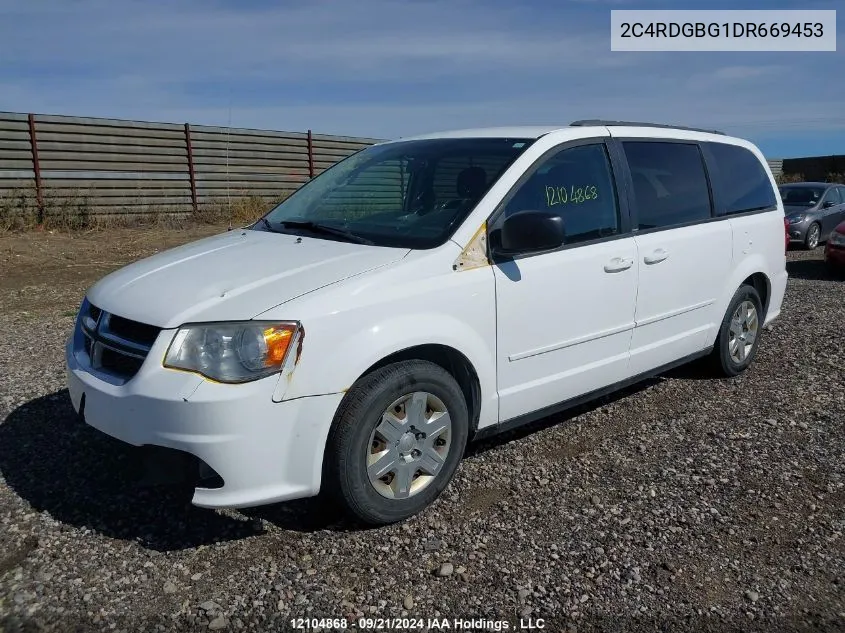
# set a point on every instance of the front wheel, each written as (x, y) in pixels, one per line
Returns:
(739, 333)
(813, 236)
(396, 441)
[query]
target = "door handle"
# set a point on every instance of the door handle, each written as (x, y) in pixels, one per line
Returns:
(657, 256)
(618, 264)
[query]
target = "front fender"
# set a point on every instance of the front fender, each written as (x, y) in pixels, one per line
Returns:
(343, 338)
(365, 348)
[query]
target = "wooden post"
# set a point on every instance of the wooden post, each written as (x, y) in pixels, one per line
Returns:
(36, 168)
(191, 173)
(310, 155)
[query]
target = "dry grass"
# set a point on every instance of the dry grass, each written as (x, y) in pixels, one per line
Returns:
(18, 210)
(73, 211)
(241, 210)
(783, 179)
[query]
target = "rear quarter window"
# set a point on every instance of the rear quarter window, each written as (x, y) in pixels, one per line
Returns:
(740, 181)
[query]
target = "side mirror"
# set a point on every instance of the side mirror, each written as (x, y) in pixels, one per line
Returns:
(827, 204)
(531, 231)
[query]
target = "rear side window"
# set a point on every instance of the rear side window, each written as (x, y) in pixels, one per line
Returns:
(742, 182)
(670, 183)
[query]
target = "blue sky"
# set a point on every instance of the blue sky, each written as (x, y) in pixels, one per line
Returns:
(389, 68)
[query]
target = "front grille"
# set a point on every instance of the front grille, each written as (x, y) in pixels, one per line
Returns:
(133, 330)
(114, 344)
(119, 364)
(94, 312)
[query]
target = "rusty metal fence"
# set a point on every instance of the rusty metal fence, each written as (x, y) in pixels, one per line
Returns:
(114, 166)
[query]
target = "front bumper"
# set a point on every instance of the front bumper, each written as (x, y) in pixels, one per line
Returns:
(264, 451)
(798, 232)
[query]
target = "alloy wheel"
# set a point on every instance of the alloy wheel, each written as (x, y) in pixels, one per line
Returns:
(743, 331)
(813, 236)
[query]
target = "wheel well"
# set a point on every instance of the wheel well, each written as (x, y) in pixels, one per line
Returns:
(452, 361)
(762, 285)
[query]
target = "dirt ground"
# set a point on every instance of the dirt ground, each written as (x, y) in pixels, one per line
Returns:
(76, 260)
(45, 272)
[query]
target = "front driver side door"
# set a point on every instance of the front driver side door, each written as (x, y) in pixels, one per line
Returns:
(832, 214)
(564, 318)
(841, 215)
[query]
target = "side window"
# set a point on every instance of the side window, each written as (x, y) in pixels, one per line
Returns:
(833, 195)
(742, 182)
(577, 184)
(670, 184)
(842, 195)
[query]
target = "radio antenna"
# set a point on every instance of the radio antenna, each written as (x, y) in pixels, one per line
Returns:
(228, 187)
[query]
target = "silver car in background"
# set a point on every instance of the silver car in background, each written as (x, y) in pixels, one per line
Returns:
(813, 209)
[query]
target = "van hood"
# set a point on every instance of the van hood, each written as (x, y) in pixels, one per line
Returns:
(233, 276)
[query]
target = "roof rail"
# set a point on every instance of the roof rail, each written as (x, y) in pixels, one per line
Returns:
(588, 122)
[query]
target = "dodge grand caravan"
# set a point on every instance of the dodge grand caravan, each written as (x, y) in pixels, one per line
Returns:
(428, 291)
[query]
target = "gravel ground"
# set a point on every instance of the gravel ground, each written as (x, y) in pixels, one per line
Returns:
(684, 504)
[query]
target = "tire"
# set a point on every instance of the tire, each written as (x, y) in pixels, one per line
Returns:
(813, 237)
(729, 359)
(360, 437)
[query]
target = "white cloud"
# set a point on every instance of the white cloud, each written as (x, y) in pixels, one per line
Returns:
(741, 73)
(744, 77)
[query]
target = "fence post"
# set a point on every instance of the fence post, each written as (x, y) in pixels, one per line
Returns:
(191, 174)
(310, 155)
(36, 168)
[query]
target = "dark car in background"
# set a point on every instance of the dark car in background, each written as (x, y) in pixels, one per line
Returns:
(813, 210)
(834, 250)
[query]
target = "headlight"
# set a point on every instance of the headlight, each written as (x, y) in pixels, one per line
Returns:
(795, 219)
(837, 239)
(232, 352)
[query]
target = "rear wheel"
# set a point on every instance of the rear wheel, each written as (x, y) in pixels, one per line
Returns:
(739, 334)
(396, 441)
(814, 232)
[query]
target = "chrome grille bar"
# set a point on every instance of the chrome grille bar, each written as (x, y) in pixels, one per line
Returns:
(125, 355)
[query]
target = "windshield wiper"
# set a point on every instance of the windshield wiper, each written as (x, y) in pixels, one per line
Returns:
(266, 224)
(316, 227)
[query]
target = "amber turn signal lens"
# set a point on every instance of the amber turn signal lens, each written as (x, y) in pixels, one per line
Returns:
(277, 340)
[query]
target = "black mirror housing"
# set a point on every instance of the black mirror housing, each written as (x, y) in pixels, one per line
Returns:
(531, 231)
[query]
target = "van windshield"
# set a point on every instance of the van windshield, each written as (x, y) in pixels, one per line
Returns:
(407, 194)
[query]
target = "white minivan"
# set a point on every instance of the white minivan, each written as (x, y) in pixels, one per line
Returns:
(428, 291)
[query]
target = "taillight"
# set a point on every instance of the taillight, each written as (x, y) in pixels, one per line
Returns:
(785, 235)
